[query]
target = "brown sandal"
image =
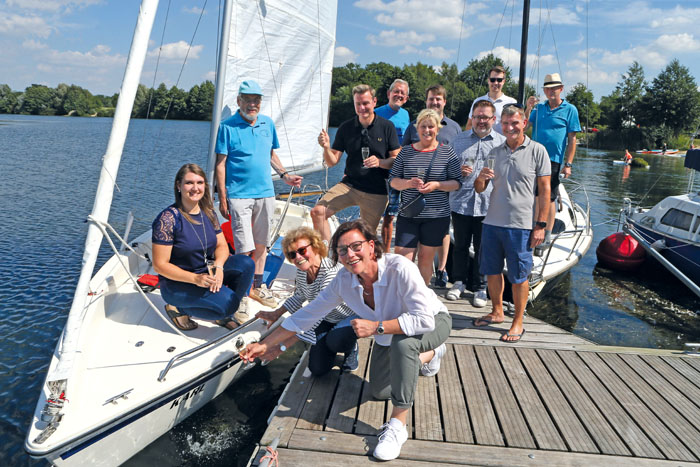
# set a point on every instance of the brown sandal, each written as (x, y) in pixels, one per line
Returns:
(174, 315)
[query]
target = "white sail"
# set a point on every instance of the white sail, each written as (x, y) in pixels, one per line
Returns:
(287, 47)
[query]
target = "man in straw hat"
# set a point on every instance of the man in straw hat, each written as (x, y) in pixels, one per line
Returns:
(554, 125)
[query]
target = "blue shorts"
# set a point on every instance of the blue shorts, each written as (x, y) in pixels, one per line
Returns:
(392, 209)
(512, 244)
(428, 231)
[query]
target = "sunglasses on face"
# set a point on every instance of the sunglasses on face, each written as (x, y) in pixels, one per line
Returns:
(354, 246)
(496, 80)
(292, 255)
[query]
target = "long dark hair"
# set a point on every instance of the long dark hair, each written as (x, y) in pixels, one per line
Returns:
(205, 204)
(362, 227)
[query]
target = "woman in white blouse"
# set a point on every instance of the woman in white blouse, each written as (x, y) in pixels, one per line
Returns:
(304, 248)
(406, 319)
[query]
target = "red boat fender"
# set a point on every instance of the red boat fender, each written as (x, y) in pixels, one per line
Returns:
(621, 252)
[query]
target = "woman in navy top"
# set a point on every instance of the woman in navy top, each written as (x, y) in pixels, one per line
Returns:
(187, 242)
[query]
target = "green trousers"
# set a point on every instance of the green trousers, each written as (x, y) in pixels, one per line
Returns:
(393, 371)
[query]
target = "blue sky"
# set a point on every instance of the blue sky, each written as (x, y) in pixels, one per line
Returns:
(85, 42)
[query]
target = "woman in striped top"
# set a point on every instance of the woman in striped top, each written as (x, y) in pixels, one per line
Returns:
(412, 174)
(305, 249)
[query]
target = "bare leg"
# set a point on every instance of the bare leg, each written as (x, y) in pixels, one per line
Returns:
(443, 252)
(520, 293)
(495, 284)
(400, 414)
(550, 217)
(425, 357)
(405, 251)
(425, 261)
(319, 217)
(387, 232)
(259, 256)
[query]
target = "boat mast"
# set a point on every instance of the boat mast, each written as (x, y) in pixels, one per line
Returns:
(218, 92)
(105, 188)
(523, 51)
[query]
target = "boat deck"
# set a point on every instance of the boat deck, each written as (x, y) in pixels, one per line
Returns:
(552, 398)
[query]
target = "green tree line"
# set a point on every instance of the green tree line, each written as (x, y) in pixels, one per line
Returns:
(37, 99)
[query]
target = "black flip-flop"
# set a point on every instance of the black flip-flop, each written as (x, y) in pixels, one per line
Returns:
(174, 314)
(225, 322)
(483, 319)
(507, 334)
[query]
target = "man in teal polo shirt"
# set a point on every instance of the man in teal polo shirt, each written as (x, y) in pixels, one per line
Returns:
(245, 149)
(554, 125)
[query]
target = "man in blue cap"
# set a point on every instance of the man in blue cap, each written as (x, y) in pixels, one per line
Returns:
(245, 150)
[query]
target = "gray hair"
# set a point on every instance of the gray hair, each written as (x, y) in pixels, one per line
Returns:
(512, 109)
(398, 81)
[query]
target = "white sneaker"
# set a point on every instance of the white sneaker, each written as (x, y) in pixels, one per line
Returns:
(264, 296)
(433, 366)
(456, 291)
(391, 438)
(480, 299)
(242, 315)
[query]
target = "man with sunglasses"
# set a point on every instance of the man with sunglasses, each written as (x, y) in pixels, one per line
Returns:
(245, 150)
(554, 125)
(371, 144)
(496, 81)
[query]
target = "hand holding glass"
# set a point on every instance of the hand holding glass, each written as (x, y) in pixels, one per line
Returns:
(365, 153)
(211, 267)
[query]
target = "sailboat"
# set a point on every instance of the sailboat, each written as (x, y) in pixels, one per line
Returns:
(121, 374)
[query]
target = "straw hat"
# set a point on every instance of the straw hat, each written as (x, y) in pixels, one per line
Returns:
(552, 81)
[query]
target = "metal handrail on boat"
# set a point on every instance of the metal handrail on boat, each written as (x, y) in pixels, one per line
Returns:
(222, 338)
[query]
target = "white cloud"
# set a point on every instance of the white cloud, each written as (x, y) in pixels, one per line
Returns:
(96, 59)
(511, 58)
(683, 42)
(31, 44)
(393, 38)
(644, 55)
(194, 10)
(177, 51)
(343, 56)
(210, 75)
(558, 15)
(640, 14)
(18, 25)
(51, 5)
(438, 53)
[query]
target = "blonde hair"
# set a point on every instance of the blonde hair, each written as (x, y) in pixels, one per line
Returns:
(310, 234)
(431, 114)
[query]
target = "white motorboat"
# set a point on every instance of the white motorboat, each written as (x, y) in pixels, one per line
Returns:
(122, 374)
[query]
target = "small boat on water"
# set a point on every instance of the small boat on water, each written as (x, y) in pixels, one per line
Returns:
(122, 374)
(658, 152)
(670, 231)
(620, 163)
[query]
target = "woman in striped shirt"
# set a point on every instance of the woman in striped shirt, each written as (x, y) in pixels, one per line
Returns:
(413, 174)
(305, 249)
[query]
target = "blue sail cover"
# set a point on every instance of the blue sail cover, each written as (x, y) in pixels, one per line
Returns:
(692, 159)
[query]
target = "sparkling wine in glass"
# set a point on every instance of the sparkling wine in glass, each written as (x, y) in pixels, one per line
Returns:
(420, 173)
(365, 153)
(491, 162)
(211, 267)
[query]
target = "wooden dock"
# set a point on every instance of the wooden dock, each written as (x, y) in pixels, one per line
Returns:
(552, 398)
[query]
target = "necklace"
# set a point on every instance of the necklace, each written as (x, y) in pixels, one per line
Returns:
(362, 283)
(204, 230)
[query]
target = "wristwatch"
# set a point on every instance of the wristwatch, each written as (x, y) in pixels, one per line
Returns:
(567, 164)
(380, 328)
(283, 347)
(540, 224)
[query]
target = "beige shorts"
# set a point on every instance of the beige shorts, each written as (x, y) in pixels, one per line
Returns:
(250, 222)
(342, 196)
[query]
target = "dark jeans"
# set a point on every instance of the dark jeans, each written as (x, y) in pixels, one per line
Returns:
(201, 303)
(465, 268)
(331, 338)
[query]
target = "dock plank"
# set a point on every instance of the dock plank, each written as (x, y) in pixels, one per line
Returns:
(572, 430)
(483, 418)
(453, 405)
(512, 422)
(313, 415)
(345, 404)
(683, 430)
(623, 391)
(541, 425)
(604, 436)
(665, 387)
(427, 425)
(488, 332)
(692, 361)
(372, 412)
(624, 425)
(683, 377)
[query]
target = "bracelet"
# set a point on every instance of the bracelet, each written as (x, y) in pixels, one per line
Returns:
(283, 174)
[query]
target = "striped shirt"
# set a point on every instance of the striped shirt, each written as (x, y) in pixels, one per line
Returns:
(447, 166)
(307, 292)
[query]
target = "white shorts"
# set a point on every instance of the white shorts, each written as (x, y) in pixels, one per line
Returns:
(250, 222)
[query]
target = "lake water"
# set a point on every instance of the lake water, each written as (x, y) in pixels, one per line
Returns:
(50, 171)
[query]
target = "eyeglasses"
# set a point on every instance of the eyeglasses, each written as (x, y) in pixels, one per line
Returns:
(292, 255)
(354, 246)
(519, 106)
(250, 100)
(482, 118)
(496, 80)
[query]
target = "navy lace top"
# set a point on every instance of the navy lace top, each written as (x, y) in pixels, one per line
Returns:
(187, 239)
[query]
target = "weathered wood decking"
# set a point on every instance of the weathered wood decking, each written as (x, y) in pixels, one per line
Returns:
(552, 398)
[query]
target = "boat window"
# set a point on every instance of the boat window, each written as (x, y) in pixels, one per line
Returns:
(678, 219)
(697, 224)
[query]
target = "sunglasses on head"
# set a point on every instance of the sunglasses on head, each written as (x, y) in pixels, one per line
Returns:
(292, 255)
(496, 80)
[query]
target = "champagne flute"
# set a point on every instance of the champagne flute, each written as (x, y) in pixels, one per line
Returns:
(491, 162)
(365, 153)
(420, 173)
(211, 267)
(242, 353)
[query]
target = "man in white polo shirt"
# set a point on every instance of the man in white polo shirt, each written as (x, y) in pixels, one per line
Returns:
(497, 79)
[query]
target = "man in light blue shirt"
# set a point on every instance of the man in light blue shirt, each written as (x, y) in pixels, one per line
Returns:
(554, 125)
(393, 111)
(468, 207)
(245, 149)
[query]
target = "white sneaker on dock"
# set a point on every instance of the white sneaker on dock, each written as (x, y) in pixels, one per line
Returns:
(456, 291)
(391, 438)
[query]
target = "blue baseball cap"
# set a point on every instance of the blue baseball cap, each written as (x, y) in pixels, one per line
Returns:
(250, 87)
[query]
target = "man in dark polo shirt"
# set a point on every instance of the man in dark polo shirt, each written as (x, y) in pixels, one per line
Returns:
(371, 144)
